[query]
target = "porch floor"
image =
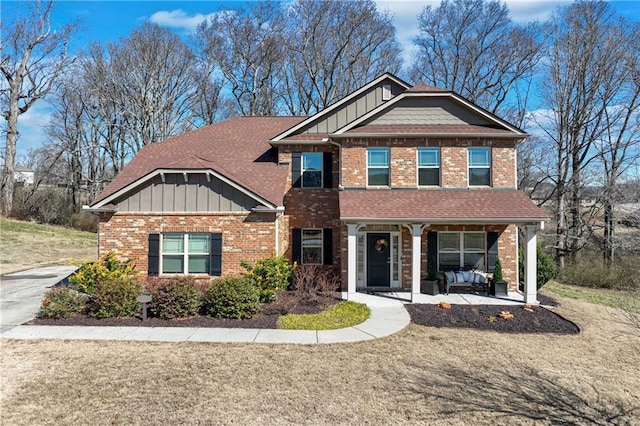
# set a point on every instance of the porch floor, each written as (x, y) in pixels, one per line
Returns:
(458, 298)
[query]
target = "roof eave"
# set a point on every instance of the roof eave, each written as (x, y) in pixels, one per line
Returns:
(446, 221)
(431, 135)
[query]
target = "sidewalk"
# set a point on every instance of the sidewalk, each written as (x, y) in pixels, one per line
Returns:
(388, 316)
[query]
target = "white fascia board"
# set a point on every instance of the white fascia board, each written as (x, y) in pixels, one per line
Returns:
(340, 103)
(157, 172)
(441, 221)
(430, 135)
(519, 133)
(300, 142)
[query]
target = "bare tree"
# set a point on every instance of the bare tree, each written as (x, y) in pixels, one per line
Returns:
(473, 47)
(33, 58)
(247, 46)
(582, 87)
(333, 48)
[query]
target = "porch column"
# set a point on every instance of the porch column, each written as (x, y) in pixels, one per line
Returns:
(352, 260)
(416, 250)
(530, 265)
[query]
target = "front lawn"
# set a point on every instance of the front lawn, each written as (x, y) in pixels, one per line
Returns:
(344, 314)
(626, 300)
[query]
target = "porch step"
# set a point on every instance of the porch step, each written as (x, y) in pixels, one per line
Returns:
(383, 290)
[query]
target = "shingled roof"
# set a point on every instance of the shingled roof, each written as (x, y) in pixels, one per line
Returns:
(440, 206)
(237, 148)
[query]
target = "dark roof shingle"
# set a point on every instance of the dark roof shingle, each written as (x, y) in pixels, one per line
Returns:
(237, 148)
(497, 205)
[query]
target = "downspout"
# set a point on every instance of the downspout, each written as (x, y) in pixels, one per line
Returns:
(340, 187)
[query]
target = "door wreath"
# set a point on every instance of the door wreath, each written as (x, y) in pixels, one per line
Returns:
(381, 245)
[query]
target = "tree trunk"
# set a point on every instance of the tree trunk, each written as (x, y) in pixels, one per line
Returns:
(609, 228)
(8, 177)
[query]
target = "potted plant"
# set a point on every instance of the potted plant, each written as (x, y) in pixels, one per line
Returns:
(498, 285)
(430, 285)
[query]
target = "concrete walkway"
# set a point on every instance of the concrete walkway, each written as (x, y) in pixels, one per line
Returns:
(388, 316)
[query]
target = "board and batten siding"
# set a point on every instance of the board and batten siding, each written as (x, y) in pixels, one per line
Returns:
(174, 194)
(356, 108)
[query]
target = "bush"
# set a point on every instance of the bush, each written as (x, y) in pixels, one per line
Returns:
(175, 298)
(115, 297)
(546, 268)
(60, 303)
(311, 281)
(269, 275)
(497, 272)
(107, 268)
(232, 297)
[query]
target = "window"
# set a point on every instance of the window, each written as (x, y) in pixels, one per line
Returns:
(378, 166)
(312, 246)
(479, 166)
(185, 253)
(461, 250)
(311, 170)
(386, 92)
(429, 166)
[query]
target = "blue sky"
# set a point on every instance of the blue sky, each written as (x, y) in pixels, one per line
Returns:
(103, 21)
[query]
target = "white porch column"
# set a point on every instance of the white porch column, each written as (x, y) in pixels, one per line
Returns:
(416, 239)
(530, 266)
(352, 260)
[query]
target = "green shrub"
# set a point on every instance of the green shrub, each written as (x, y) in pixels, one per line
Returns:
(546, 268)
(60, 303)
(175, 298)
(497, 272)
(107, 268)
(269, 275)
(595, 275)
(115, 297)
(232, 297)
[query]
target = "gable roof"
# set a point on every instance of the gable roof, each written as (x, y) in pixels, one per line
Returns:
(330, 109)
(429, 91)
(236, 148)
(440, 206)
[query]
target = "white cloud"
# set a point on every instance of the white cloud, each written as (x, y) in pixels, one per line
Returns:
(31, 127)
(179, 19)
(523, 11)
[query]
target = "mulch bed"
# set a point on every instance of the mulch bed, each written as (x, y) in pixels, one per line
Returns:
(540, 320)
(287, 303)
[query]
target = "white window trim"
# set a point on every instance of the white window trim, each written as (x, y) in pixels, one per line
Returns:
(428, 167)
(479, 167)
(387, 167)
(185, 253)
(302, 246)
(462, 250)
(302, 169)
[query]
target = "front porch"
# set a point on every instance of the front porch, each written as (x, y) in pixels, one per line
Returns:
(462, 298)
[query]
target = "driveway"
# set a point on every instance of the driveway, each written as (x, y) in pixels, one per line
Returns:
(21, 293)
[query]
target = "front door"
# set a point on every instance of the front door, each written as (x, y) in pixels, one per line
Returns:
(378, 260)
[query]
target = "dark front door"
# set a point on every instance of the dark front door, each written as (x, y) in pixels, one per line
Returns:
(378, 260)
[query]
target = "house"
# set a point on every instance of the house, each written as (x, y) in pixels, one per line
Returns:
(374, 186)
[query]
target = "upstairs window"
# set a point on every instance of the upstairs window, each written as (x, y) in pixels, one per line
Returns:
(479, 166)
(429, 167)
(312, 170)
(378, 167)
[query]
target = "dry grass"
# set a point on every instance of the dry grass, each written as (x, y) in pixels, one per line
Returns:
(24, 245)
(421, 375)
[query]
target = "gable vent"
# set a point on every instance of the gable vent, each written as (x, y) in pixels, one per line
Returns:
(386, 92)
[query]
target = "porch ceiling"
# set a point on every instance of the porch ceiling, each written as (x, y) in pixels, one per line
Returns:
(439, 206)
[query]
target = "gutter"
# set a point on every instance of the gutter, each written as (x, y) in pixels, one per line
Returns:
(90, 209)
(431, 135)
(449, 221)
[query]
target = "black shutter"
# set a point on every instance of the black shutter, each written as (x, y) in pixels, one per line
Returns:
(432, 248)
(327, 169)
(296, 245)
(215, 254)
(153, 258)
(492, 250)
(296, 169)
(327, 245)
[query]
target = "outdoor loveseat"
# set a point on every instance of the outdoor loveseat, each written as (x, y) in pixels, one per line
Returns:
(473, 279)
